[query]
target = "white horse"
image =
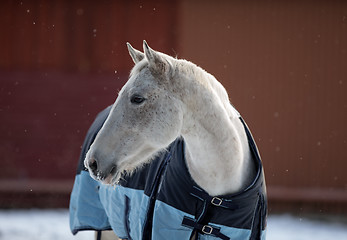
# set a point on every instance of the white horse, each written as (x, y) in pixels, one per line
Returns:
(164, 99)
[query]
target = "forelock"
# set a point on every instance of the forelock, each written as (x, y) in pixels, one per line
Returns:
(138, 67)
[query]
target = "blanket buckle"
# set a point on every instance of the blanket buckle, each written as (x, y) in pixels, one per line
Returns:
(207, 229)
(216, 201)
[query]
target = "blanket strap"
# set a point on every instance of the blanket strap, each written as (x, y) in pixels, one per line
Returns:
(216, 201)
(206, 229)
(198, 224)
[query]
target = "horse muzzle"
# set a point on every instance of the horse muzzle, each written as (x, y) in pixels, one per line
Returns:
(104, 173)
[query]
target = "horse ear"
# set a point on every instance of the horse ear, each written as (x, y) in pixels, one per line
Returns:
(157, 63)
(136, 55)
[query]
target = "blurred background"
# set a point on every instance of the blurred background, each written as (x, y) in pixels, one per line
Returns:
(284, 64)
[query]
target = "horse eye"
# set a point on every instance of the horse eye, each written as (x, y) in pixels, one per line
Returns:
(137, 99)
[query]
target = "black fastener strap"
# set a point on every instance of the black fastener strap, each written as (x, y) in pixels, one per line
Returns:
(216, 201)
(205, 229)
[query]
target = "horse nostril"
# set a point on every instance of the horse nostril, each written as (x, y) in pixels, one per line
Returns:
(93, 165)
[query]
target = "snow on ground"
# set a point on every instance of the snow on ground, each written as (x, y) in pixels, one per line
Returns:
(38, 225)
(54, 225)
(287, 227)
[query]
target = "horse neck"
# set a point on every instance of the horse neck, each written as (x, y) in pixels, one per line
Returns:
(217, 151)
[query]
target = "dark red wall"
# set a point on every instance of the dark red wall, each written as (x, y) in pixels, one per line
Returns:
(61, 63)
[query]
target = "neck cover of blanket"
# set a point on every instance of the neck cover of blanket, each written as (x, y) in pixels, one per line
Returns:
(162, 201)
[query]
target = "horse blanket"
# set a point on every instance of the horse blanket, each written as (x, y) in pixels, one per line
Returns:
(162, 201)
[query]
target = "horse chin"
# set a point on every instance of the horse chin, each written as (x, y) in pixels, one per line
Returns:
(116, 175)
(108, 180)
(112, 179)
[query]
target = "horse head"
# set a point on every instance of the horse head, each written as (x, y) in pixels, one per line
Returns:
(145, 118)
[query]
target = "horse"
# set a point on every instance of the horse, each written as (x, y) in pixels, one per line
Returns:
(168, 100)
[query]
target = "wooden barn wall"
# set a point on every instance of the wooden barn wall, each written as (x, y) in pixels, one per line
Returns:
(61, 63)
(284, 64)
